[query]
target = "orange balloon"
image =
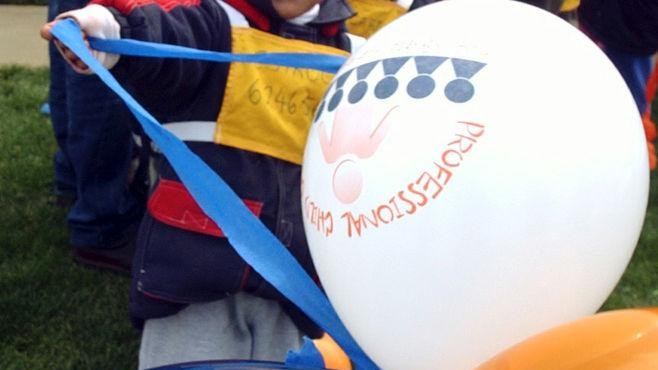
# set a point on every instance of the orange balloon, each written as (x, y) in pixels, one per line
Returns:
(620, 340)
(333, 356)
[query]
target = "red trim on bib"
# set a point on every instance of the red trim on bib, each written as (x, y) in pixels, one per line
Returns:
(330, 30)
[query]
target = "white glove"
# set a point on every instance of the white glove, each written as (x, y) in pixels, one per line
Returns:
(96, 21)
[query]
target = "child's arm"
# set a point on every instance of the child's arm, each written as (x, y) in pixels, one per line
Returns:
(199, 24)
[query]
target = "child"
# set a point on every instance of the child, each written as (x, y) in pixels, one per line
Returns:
(194, 296)
(93, 163)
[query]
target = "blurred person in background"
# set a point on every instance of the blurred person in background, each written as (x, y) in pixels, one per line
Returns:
(96, 173)
(627, 31)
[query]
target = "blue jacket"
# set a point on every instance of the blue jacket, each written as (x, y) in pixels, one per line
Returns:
(174, 266)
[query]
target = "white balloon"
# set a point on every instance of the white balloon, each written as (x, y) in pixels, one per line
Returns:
(477, 173)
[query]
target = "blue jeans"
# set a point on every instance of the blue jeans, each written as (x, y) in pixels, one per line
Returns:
(92, 128)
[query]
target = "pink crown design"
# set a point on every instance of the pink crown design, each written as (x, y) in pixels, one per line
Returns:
(352, 134)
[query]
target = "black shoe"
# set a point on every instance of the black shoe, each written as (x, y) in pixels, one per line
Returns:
(117, 259)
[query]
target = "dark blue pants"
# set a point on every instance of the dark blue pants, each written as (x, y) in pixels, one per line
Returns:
(93, 132)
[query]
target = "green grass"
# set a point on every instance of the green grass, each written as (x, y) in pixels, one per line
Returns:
(57, 315)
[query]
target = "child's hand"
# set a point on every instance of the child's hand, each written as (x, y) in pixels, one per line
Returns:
(70, 57)
(94, 20)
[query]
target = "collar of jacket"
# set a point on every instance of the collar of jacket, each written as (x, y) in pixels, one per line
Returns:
(262, 15)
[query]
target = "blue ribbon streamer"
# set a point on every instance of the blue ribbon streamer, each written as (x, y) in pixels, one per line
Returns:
(250, 238)
(322, 62)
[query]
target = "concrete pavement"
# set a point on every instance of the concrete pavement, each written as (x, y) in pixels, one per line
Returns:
(20, 42)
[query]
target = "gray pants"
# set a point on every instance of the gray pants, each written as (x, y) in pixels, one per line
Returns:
(241, 327)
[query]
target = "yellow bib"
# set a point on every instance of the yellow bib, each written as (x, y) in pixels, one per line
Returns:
(569, 5)
(268, 109)
(371, 15)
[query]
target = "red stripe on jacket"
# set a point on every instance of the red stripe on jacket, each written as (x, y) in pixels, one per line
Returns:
(127, 6)
(173, 205)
